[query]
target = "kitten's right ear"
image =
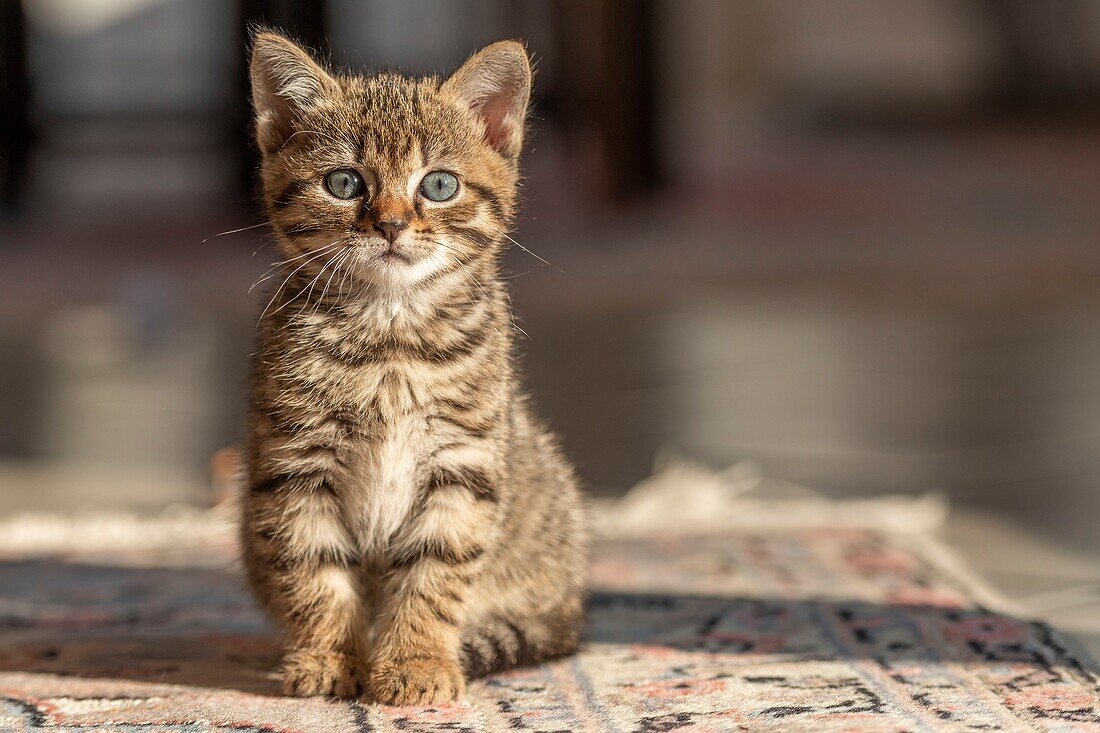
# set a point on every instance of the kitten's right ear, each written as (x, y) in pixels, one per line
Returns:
(285, 81)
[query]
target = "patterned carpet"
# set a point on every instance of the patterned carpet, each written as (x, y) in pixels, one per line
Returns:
(788, 628)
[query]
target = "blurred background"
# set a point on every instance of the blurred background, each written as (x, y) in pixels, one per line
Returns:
(855, 241)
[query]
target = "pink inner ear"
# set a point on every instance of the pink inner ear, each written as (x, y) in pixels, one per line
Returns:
(494, 84)
(495, 111)
(281, 117)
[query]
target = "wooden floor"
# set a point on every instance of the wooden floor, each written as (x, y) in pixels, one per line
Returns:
(1044, 577)
(995, 409)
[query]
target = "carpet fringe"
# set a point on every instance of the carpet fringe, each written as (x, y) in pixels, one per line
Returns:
(685, 497)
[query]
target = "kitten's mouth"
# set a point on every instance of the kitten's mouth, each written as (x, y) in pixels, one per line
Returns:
(392, 255)
(396, 263)
(386, 253)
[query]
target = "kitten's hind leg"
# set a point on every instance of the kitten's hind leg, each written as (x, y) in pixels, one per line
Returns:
(499, 643)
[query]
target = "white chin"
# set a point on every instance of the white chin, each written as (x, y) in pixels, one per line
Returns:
(397, 272)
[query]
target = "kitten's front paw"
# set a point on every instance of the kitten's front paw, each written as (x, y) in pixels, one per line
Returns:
(416, 682)
(309, 672)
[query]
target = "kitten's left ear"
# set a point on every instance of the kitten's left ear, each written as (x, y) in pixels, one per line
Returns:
(285, 82)
(495, 83)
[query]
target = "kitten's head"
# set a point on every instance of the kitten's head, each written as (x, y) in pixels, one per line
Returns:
(402, 178)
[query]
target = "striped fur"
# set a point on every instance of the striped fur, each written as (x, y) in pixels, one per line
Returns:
(406, 520)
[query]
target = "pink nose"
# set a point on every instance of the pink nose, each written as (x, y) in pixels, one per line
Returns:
(390, 228)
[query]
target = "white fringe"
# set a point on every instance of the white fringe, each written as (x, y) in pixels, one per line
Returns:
(178, 529)
(684, 497)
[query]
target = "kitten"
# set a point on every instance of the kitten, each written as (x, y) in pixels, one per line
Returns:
(406, 520)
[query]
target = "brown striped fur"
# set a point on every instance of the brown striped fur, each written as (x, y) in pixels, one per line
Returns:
(406, 520)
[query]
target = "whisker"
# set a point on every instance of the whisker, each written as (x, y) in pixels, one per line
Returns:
(344, 278)
(517, 327)
(484, 292)
(316, 279)
(313, 281)
(336, 266)
(308, 290)
(533, 254)
(278, 290)
(478, 283)
(235, 231)
(276, 267)
(512, 316)
(462, 266)
(340, 295)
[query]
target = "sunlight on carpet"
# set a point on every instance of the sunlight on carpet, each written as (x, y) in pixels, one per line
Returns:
(720, 601)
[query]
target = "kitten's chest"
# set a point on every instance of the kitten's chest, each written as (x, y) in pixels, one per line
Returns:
(385, 475)
(392, 398)
(386, 391)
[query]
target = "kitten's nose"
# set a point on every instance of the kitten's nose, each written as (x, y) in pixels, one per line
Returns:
(390, 228)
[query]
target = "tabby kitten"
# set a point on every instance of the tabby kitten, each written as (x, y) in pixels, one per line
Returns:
(406, 519)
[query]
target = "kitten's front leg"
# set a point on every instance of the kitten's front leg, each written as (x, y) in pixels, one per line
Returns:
(301, 563)
(435, 560)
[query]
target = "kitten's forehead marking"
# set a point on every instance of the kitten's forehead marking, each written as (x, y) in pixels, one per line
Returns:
(393, 127)
(405, 120)
(394, 173)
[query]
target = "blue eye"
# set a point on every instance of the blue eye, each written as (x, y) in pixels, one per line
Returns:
(344, 183)
(439, 186)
